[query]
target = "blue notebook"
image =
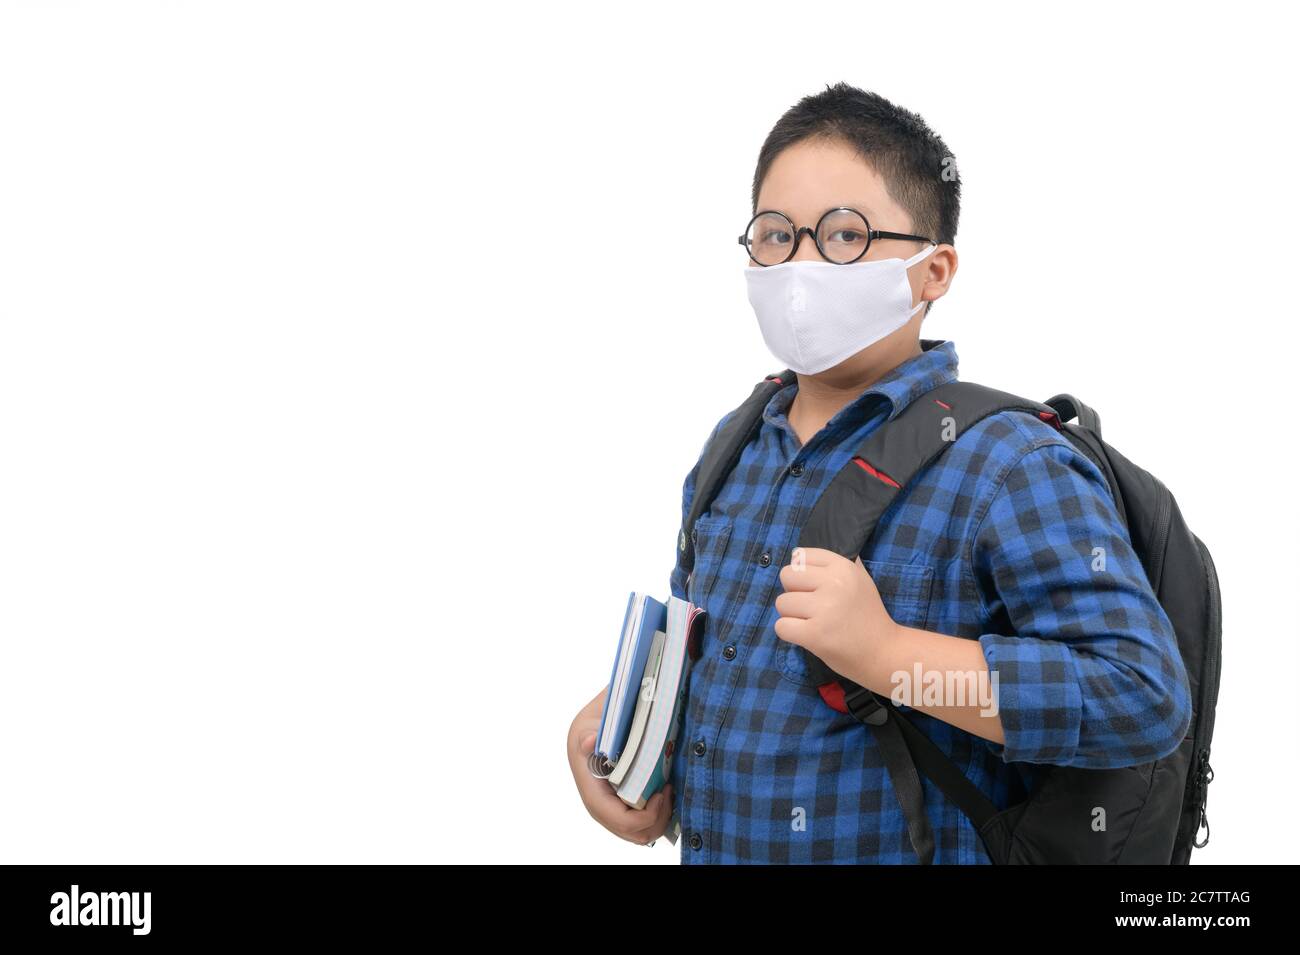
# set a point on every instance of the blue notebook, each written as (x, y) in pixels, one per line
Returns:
(643, 617)
(660, 710)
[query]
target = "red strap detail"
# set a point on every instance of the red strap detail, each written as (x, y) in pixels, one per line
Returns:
(833, 694)
(946, 407)
(874, 473)
(1052, 418)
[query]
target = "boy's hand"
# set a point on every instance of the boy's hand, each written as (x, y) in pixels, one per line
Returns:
(832, 609)
(641, 826)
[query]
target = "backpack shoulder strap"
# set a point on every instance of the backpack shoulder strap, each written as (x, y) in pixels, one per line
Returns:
(845, 515)
(723, 451)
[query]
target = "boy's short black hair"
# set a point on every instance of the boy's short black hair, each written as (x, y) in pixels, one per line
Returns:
(919, 170)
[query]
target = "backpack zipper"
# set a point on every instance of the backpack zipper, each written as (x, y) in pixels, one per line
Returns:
(1204, 776)
(1210, 678)
(1209, 694)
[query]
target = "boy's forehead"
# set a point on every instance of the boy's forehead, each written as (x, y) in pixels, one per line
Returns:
(806, 179)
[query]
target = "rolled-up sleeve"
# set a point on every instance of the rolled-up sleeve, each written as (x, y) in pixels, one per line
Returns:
(1090, 674)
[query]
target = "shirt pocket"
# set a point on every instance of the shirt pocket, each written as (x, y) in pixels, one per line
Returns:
(905, 592)
(710, 536)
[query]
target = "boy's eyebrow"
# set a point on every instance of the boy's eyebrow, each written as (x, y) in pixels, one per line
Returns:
(862, 207)
(859, 206)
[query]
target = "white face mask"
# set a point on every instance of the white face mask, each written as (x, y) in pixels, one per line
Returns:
(814, 314)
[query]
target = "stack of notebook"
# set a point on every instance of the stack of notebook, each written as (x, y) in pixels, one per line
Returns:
(644, 706)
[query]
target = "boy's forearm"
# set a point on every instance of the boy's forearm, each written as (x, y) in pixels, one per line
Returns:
(945, 661)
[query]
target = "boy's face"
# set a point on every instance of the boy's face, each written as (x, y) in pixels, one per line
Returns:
(810, 177)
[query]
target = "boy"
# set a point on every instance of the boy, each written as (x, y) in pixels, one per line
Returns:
(984, 570)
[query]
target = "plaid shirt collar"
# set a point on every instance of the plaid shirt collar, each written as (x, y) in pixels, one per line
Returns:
(899, 387)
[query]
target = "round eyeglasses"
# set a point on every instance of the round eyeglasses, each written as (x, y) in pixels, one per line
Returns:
(842, 236)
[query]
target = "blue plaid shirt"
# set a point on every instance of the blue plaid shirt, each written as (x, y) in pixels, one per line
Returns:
(995, 542)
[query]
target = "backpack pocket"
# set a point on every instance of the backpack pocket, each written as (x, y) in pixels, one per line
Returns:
(905, 592)
(1081, 816)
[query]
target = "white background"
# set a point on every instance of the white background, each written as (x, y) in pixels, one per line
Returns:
(341, 409)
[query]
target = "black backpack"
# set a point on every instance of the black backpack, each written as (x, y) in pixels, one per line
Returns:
(1154, 811)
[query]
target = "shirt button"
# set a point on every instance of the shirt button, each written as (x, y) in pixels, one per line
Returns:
(796, 469)
(729, 652)
(700, 748)
(765, 559)
(696, 841)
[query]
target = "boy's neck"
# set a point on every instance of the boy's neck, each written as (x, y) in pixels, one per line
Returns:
(818, 398)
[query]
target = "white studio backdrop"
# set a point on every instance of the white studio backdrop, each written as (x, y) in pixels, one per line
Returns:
(345, 398)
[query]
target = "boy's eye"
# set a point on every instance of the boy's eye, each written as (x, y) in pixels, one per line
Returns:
(847, 236)
(774, 237)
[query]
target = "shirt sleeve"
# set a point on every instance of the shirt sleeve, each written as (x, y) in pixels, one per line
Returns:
(1091, 674)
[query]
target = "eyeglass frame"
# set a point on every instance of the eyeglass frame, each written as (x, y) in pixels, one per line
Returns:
(800, 230)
